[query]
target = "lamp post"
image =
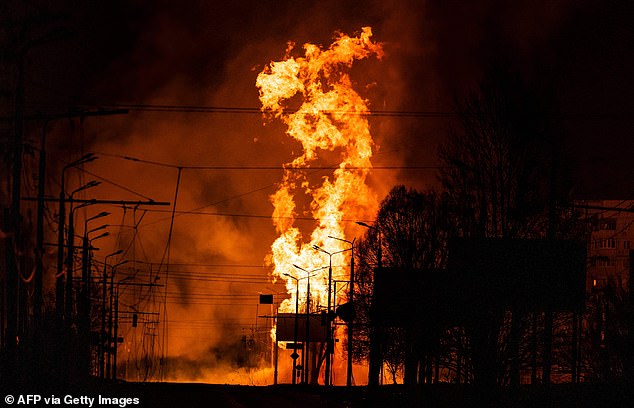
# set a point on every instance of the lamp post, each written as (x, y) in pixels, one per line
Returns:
(59, 285)
(109, 368)
(102, 343)
(376, 358)
(85, 270)
(307, 341)
(115, 346)
(41, 188)
(351, 300)
(83, 301)
(294, 356)
(86, 232)
(329, 343)
(116, 323)
(68, 310)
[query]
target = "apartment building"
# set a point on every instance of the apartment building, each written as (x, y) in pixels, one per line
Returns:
(611, 239)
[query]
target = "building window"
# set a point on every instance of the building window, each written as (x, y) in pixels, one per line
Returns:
(604, 243)
(626, 244)
(607, 224)
(601, 261)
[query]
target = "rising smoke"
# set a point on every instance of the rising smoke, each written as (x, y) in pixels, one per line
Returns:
(209, 55)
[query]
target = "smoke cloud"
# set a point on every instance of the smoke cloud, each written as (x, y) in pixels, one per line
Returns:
(204, 54)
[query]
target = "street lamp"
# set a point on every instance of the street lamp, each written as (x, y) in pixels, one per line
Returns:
(59, 290)
(86, 268)
(351, 300)
(86, 245)
(307, 341)
(376, 359)
(86, 204)
(295, 355)
(116, 323)
(102, 235)
(329, 343)
(83, 300)
(71, 249)
(114, 269)
(94, 217)
(40, 210)
(103, 313)
(99, 228)
(90, 184)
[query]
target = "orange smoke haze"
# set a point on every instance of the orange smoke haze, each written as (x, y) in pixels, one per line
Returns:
(242, 221)
(221, 244)
(209, 302)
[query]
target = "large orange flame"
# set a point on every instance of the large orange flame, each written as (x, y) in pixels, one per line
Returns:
(331, 117)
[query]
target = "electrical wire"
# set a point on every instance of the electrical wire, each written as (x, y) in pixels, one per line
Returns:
(168, 253)
(162, 108)
(259, 111)
(277, 168)
(403, 147)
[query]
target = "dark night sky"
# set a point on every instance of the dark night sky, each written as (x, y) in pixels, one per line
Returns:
(136, 51)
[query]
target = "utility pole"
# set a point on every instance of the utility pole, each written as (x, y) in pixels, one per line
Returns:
(548, 313)
(70, 264)
(103, 339)
(350, 323)
(41, 191)
(329, 342)
(307, 342)
(111, 349)
(306, 356)
(629, 371)
(59, 282)
(294, 356)
(15, 301)
(39, 236)
(116, 334)
(351, 302)
(13, 223)
(59, 289)
(376, 357)
(84, 307)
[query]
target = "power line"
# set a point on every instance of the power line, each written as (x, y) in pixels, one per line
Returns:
(208, 265)
(140, 107)
(262, 216)
(259, 111)
(277, 168)
(592, 115)
(180, 168)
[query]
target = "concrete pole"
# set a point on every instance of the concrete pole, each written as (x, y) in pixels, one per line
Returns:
(350, 323)
(116, 334)
(329, 345)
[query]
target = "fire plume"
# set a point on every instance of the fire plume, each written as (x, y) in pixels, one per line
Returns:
(331, 117)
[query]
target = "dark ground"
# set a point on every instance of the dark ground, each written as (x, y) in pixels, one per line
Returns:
(281, 396)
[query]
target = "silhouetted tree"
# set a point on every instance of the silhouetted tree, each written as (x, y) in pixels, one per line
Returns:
(411, 231)
(502, 179)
